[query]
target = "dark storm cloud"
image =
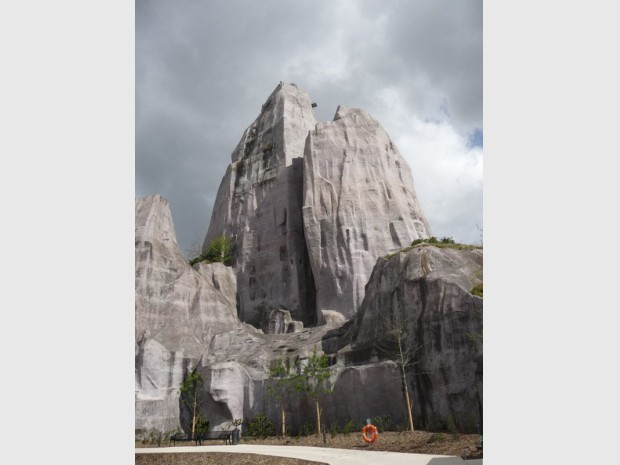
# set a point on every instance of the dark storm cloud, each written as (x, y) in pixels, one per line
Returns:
(204, 68)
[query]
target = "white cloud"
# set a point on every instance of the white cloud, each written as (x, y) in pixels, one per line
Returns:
(204, 68)
(447, 172)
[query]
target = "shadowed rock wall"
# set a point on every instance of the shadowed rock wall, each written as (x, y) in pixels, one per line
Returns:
(259, 205)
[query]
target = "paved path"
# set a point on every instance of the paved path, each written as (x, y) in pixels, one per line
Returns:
(319, 454)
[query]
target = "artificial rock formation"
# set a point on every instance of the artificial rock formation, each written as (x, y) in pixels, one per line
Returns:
(258, 205)
(359, 204)
(178, 310)
(429, 285)
(312, 209)
(426, 293)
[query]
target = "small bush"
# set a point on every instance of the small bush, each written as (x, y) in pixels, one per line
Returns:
(451, 425)
(202, 425)
(260, 426)
(383, 423)
(348, 427)
(155, 437)
(447, 240)
(437, 437)
(218, 250)
(477, 290)
(334, 429)
(306, 429)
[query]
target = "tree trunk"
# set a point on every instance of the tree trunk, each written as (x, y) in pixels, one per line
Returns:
(194, 415)
(318, 418)
(409, 406)
(283, 421)
(403, 378)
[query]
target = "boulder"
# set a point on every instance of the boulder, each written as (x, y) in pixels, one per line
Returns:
(278, 321)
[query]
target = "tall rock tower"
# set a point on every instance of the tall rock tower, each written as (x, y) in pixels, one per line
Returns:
(258, 204)
(359, 205)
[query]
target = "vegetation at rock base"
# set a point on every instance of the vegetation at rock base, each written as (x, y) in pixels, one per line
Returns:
(285, 381)
(260, 426)
(419, 442)
(477, 290)
(218, 250)
(437, 437)
(397, 346)
(190, 391)
(451, 425)
(232, 424)
(314, 382)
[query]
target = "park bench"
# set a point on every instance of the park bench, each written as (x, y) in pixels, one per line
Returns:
(180, 437)
(214, 436)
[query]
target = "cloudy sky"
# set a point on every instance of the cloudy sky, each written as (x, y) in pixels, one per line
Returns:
(204, 68)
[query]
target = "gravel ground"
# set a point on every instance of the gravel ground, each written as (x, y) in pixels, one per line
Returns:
(419, 442)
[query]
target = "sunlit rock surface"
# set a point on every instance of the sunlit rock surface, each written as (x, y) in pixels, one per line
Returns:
(359, 204)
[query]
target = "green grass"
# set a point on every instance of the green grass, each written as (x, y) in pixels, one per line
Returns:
(477, 290)
(439, 245)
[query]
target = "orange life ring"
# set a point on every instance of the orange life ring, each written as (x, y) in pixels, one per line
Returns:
(374, 433)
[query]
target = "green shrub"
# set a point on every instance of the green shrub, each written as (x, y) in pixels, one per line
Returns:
(477, 290)
(306, 429)
(333, 429)
(437, 437)
(202, 425)
(383, 423)
(348, 427)
(218, 250)
(451, 425)
(155, 437)
(447, 240)
(260, 426)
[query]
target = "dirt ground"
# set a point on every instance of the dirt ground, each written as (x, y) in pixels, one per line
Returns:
(216, 458)
(419, 442)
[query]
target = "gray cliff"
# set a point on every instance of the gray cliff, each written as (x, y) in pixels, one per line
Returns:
(319, 215)
(428, 286)
(258, 205)
(359, 204)
(178, 309)
(427, 292)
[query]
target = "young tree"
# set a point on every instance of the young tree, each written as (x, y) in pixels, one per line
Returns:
(314, 381)
(190, 397)
(396, 346)
(285, 382)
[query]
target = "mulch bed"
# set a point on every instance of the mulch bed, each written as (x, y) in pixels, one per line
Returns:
(217, 458)
(418, 442)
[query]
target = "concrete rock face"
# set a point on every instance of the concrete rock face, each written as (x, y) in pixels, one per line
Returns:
(258, 205)
(359, 204)
(313, 210)
(178, 310)
(426, 292)
(426, 284)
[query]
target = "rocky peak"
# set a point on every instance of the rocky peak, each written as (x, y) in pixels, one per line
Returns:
(258, 205)
(359, 204)
(154, 220)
